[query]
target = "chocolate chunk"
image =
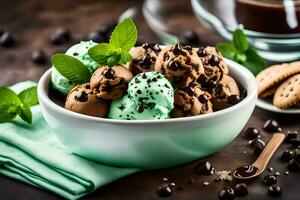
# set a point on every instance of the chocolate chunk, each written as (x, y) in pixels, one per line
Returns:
(60, 36)
(140, 108)
(203, 98)
(176, 50)
(213, 60)
(190, 90)
(177, 80)
(7, 39)
(174, 66)
(226, 193)
(164, 190)
(233, 99)
(204, 168)
(189, 37)
(291, 135)
(274, 191)
(39, 57)
(251, 133)
(211, 84)
(276, 174)
(258, 147)
(252, 143)
(269, 180)
(272, 126)
(241, 189)
(201, 52)
(97, 36)
(288, 155)
(146, 61)
(82, 96)
(109, 74)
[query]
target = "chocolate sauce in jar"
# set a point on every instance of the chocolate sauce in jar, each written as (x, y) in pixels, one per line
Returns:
(245, 171)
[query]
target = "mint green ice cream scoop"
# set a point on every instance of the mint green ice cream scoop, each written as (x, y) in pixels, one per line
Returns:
(79, 51)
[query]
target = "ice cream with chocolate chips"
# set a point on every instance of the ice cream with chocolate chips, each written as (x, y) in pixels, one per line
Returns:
(191, 101)
(214, 67)
(144, 58)
(82, 100)
(225, 94)
(180, 65)
(110, 83)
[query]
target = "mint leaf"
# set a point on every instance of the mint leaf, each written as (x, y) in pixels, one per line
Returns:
(227, 50)
(124, 36)
(25, 113)
(125, 57)
(9, 104)
(254, 62)
(113, 59)
(71, 68)
(240, 41)
(101, 52)
(29, 96)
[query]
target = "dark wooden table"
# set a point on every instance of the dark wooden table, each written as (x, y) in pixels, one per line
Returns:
(33, 21)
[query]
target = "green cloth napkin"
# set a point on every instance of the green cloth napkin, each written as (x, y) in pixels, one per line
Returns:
(32, 154)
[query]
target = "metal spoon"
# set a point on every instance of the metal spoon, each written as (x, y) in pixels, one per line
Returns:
(251, 171)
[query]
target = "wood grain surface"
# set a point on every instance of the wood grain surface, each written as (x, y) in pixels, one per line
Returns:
(33, 21)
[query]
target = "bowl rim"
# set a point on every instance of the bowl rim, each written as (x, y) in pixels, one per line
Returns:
(250, 86)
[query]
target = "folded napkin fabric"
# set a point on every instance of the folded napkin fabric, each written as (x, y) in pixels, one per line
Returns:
(32, 154)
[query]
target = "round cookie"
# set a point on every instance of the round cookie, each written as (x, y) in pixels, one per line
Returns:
(273, 75)
(288, 93)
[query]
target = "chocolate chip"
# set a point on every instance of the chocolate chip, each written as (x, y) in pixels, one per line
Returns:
(201, 52)
(274, 191)
(109, 74)
(139, 91)
(269, 180)
(287, 155)
(293, 165)
(176, 49)
(291, 135)
(211, 84)
(174, 66)
(39, 57)
(251, 133)
(201, 79)
(276, 174)
(81, 96)
(204, 168)
(189, 37)
(252, 143)
(60, 36)
(144, 76)
(137, 80)
(226, 193)
(97, 36)
(241, 189)
(233, 99)
(272, 126)
(213, 60)
(146, 61)
(164, 190)
(258, 147)
(7, 39)
(190, 90)
(177, 80)
(295, 143)
(203, 99)
(140, 108)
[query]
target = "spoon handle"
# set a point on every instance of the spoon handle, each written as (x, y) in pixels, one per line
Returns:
(268, 151)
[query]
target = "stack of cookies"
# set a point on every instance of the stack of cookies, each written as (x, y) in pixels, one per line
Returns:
(282, 82)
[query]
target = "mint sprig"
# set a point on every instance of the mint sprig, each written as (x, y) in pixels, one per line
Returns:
(240, 51)
(71, 68)
(116, 51)
(12, 104)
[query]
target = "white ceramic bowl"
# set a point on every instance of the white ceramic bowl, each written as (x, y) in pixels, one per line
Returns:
(149, 144)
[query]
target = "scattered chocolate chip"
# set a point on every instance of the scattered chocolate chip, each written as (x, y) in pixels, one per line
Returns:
(269, 180)
(258, 147)
(140, 108)
(287, 155)
(270, 169)
(272, 126)
(201, 52)
(211, 84)
(189, 37)
(190, 90)
(205, 183)
(251, 133)
(139, 91)
(81, 96)
(174, 66)
(164, 190)
(177, 80)
(176, 49)
(97, 36)
(146, 61)
(276, 174)
(241, 189)
(39, 57)
(60, 36)
(226, 193)
(291, 135)
(7, 39)
(233, 99)
(203, 98)
(109, 74)
(213, 60)
(252, 143)
(204, 168)
(274, 191)
(286, 173)
(165, 180)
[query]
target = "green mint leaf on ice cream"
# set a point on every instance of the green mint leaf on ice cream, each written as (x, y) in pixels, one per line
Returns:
(71, 68)
(240, 51)
(116, 51)
(12, 104)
